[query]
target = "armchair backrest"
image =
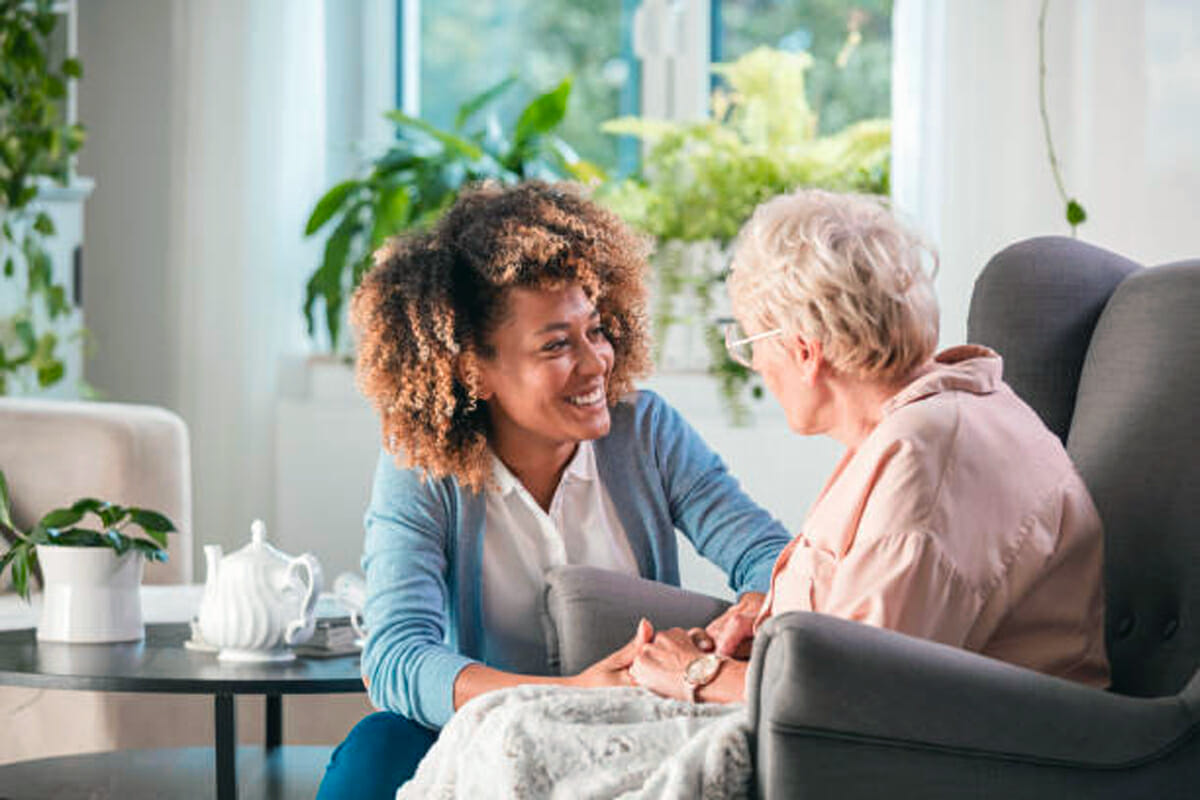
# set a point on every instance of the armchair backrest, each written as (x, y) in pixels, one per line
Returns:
(1036, 303)
(54, 452)
(1108, 354)
(1135, 439)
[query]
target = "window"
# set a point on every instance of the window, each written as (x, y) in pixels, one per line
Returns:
(638, 57)
(850, 42)
(468, 45)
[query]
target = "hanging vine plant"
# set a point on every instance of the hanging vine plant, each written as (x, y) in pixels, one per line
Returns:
(1075, 213)
(36, 144)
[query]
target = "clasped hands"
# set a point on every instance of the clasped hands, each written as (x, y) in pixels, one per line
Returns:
(657, 660)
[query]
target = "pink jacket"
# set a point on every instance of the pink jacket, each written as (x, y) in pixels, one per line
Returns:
(960, 519)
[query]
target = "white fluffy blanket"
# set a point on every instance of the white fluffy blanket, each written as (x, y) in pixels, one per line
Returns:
(550, 742)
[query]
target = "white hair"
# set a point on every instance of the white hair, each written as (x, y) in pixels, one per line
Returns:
(840, 269)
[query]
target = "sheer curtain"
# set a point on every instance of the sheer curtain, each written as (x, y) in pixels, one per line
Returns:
(970, 162)
(248, 160)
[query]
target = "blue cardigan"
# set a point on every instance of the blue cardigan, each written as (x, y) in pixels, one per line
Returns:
(424, 544)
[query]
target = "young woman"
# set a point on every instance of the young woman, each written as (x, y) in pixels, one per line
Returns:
(500, 350)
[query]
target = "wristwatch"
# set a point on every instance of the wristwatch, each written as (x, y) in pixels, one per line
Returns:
(701, 671)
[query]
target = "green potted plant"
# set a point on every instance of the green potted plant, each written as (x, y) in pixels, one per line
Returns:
(420, 175)
(36, 145)
(91, 574)
(701, 180)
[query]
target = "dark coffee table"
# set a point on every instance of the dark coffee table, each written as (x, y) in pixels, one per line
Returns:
(160, 663)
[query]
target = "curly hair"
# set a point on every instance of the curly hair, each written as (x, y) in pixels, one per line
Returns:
(840, 268)
(426, 309)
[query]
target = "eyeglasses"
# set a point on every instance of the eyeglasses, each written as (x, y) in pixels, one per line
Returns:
(740, 346)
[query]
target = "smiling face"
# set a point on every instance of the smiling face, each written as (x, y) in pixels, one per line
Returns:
(546, 381)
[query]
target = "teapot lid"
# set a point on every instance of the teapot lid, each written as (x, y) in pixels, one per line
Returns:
(258, 549)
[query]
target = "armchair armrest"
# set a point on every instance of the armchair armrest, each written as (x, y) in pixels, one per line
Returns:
(843, 709)
(591, 612)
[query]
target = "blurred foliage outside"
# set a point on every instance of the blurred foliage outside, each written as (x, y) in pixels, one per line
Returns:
(468, 45)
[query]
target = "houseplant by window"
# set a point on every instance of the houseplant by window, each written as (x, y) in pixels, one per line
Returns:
(701, 180)
(91, 576)
(419, 177)
(36, 144)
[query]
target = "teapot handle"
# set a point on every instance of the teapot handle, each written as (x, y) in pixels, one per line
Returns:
(301, 629)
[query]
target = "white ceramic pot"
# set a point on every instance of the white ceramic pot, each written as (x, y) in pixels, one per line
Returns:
(91, 595)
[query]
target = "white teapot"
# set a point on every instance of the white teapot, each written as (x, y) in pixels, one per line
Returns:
(258, 601)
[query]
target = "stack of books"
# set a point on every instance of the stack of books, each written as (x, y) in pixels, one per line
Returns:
(334, 636)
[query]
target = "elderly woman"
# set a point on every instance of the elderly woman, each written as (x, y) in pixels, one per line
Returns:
(954, 515)
(499, 350)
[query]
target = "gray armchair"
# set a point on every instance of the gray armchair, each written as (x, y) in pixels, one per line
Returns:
(845, 710)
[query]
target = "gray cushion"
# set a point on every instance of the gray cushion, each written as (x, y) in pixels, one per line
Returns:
(593, 612)
(1136, 441)
(1036, 303)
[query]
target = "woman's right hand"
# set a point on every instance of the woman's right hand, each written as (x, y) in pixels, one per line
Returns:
(732, 633)
(613, 670)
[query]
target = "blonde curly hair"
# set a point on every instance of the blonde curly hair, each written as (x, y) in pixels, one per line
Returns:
(840, 269)
(425, 311)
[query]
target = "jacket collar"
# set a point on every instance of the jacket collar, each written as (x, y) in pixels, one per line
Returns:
(966, 368)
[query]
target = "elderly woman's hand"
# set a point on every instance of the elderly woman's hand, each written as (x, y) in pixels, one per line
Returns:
(660, 664)
(613, 670)
(732, 633)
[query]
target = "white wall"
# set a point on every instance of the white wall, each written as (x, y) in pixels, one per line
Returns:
(125, 102)
(972, 167)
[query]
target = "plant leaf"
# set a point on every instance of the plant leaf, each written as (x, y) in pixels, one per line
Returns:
(391, 213)
(110, 514)
(151, 521)
(7, 557)
(542, 115)
(21, 567)
(485, 98)
(50, 373)
(77, 537)
(159, 537)
(326, 282)
(72, 68)
(85, 504)
(61, 518)
(43, 224)
(394, 160)
(118, 541)
(456, 143)
(329, 204)
(1075, 213)
(5, 503)
(149, 550)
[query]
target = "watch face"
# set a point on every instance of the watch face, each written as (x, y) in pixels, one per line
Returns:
(701, 670)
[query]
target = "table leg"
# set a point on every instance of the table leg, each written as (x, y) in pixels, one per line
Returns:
(226, 747)
(274, 721)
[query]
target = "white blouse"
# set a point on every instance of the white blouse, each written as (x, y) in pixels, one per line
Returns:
(521, 542)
